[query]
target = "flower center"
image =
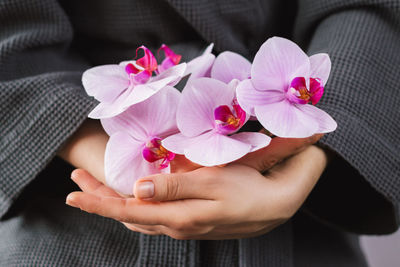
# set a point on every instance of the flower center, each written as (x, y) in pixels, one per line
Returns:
(298, 92)
(228, 120)
(232, 120)
(142, 70)
(154, 151)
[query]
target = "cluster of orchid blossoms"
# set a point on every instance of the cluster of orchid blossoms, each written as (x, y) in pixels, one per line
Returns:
(149, 121)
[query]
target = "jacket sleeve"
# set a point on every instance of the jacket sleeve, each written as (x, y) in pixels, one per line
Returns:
(360, 191)
(41, 99)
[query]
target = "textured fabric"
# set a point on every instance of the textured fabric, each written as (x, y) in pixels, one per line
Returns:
(363, 40)
(44, 47)
(41, 99)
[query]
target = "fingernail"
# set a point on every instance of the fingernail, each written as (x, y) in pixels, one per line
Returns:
(73, 175)
(145, 189)
(71, 201)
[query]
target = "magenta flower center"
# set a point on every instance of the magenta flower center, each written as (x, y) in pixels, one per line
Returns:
(298, 92)
(229, 119)
(147, 64)
(154, 151)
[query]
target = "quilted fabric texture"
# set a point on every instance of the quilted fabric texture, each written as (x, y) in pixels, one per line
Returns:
(46, 44)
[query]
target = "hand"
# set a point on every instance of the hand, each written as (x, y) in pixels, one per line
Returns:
(86, 148)
(235, 201)
(278, 150)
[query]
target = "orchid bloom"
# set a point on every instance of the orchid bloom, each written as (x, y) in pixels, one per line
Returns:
(283, 81)
(208, 118)
(171, 59)
(201, 65)
(230, 68)
(118, 87)
(134, 149)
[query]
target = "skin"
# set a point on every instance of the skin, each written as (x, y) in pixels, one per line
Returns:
(85, 149)
(205, 202)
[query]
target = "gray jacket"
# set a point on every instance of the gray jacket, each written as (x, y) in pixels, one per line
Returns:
(46, 44)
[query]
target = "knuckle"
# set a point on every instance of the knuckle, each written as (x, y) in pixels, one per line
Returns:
(173, 188)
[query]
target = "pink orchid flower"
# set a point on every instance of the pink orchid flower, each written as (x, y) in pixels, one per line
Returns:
(134, 149)
(118, 87)
(283, 81)
(208, 118)
(230, 68)
(201, 65)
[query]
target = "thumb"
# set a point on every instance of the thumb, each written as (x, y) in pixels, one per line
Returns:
(166, 187)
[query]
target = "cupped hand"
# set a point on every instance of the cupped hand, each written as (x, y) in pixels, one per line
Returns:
(86, 148)
(278, 150)
(235, 201)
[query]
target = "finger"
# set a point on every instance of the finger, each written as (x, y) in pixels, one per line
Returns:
(175, 186)
(278, 150)
(182, 164)
(132, 210)
(121, 209)
(148, 230)
(89, 184)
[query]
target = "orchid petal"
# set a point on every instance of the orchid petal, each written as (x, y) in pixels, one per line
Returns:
(299, 83)
(169, 54)
(208, 49)
(124, 164)
(142, 92)
(277, 62)
(155, 117)
(316, 90)
(228, 66)
(171, 59)
(320, 67)
(176, 143)
(256, 140)
(107, 110)
(141, 77)
(148, 61)
(211, 149)
(287, 120)
(201, 65)
(325, 122)
(171, 76)
(200, 97)
(131, 69)
(125, 64)
(248, 97)
(106, 82)
(166, 64)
